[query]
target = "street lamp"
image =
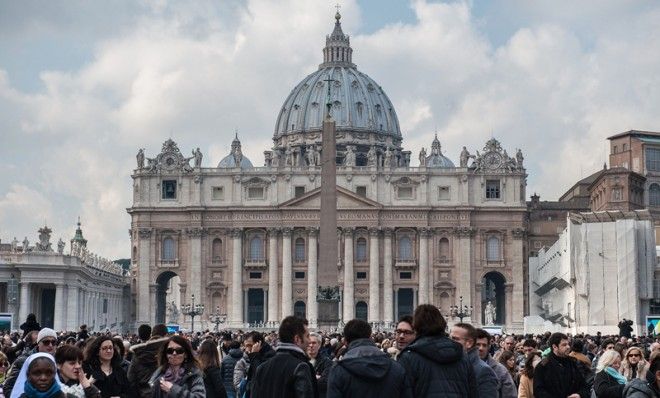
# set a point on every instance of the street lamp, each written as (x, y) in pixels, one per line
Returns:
(461, 311)
(192, 310)
(217, 318)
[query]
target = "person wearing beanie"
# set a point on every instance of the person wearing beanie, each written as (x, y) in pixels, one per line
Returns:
(46, 343)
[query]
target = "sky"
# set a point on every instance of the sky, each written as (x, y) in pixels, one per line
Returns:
(84, 85)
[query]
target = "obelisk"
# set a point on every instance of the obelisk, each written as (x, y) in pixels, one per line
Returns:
(328, 288)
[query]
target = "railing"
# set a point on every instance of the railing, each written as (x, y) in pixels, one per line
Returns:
(255, 263)
(406, 263)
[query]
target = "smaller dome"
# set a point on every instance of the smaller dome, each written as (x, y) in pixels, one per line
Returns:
(235, 157)
(436, 159)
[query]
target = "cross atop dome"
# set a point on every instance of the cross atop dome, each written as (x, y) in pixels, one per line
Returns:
(337, 49)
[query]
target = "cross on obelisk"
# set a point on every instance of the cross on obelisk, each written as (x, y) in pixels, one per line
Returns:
(328, 289)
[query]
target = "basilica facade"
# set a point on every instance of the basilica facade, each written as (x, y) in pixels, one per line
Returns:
(244, 239)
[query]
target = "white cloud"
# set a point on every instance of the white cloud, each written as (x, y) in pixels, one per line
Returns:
(556, 87)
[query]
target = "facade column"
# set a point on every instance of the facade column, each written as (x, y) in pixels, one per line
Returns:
(349, 282)
(195, 264)
(312, 278)
(287, 274)
(25, 304)
(143, 309)
(60, 306)
(374, 277)
(273, 296)
(153, 288)
(237, 278)
(517, 289)
(423, 275)
(388, 300)
(463, 250)
(72, 305)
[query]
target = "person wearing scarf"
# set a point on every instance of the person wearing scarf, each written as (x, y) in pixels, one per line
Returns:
(38, 379)
(178, 374)
(609, 383)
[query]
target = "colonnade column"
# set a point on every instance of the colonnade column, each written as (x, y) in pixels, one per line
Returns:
(236, 319)
(24, 305)
(272, 275)
(312, 278)
(388, 299)
(374, 277)
(72, 304)
(423, 276)
(287, 274)
(143, 302)
(58, 322)
(349, 283)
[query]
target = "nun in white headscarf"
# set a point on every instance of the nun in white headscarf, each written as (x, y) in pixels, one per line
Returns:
(23, 386)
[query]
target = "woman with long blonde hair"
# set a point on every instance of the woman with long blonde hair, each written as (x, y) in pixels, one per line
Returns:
(634, 366)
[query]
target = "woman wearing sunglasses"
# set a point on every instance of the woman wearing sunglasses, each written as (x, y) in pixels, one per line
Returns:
(178, 373)
(634, 366)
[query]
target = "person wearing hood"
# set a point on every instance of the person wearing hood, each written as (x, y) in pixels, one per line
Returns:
(145, 358)
(228, 365)
(38, 379)
(46, 343)
(366, 371)
(437, 366)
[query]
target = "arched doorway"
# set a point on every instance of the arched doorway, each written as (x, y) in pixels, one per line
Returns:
(493, 291)
(361, 310)
(167, 291)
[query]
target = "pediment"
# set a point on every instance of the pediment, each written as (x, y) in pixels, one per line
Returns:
(345, 200)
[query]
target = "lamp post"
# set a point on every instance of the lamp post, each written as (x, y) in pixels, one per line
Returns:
(461, 311)
(217, 318)
(192, 310)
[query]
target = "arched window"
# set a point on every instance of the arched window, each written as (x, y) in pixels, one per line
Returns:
(654, 195)
(361, 249)
(405, 248)
(256, 248)
(444, 249)
(361, 310)
(493, 249)
(300, 250)
(168, 253)
(216, 250)
(299, 309)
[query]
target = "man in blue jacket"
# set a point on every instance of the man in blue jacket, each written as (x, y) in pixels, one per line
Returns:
(366, 371)
(466, 335)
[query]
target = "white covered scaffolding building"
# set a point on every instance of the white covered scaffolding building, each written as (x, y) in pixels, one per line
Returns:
(601, 269)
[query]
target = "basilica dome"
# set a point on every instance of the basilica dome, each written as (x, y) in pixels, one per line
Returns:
(436, 159)
(235, 157)
(358, 105)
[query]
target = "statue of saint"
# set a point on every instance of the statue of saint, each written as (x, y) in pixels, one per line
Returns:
(465, 156)
(371, 156)
(60, 246)
(140, 158)
(14, 245)
(26, 244)
(288, 157)
(349, 160)
(173, 313)
(422, 158)
(275, 161)
(489, 314)
(387, 163)
(519, 159)
(197, 154)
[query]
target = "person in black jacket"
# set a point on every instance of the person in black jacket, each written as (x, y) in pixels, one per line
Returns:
(209, 360)
(365, 371)
(321, 363)
(145, 358)
(608, 382)
(288, 373)
(558, 374)
(437, 366)
(259, 351)
(227, 367)
(103, 363)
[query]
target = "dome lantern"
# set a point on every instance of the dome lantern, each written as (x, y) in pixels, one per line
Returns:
(337, 51)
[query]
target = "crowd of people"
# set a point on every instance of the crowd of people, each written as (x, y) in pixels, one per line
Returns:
(421, 358)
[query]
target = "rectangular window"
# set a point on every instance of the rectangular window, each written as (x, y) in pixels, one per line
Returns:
(361, 191)
(404, 193)
(652, 159)
(361, 275)
(625, 147)
(169, 189)
(405, 275)
(218, 193)
(255, 275)
(615, 149)
(492, 189)
(299, 275)
(299, 191)
(255, 193)
(105, 306)
(443, 193)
